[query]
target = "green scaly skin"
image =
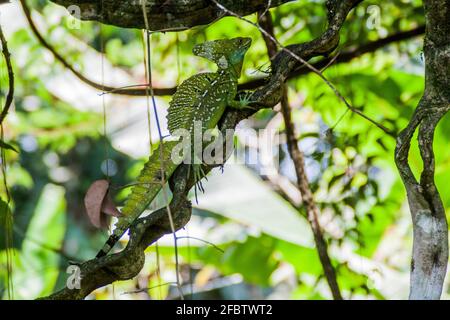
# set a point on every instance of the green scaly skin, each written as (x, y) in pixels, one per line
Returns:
(204, 98)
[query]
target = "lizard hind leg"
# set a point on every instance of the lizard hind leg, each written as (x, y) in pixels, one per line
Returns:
(198, 174)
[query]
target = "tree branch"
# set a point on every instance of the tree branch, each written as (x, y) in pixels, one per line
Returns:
(10, 94)
(312, 212)
(430, 243)
(79, 75)
(142, 90)
(163, 15)
(145, 231)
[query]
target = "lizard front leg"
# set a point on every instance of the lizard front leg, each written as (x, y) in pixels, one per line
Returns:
(243, 103)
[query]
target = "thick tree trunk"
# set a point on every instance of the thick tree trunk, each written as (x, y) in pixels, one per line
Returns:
(430, 246)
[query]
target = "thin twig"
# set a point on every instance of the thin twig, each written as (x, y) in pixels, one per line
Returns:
(147, 230)
(78, 74)
(303, 183)
(309, 66)
(201, 240)
(10, 95)
(131, 86)
(266, 9)
(9, 221)
(308, 199)
(149, 288)
(55, 250)
(161, 150)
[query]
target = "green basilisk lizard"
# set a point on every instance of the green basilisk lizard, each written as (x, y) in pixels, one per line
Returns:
(201, 99)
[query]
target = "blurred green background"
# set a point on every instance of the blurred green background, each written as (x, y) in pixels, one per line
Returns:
(58, 127)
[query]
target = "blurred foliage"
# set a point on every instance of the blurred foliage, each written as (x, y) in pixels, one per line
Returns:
(58, 130)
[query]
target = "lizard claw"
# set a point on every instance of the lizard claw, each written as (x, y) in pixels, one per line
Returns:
(199, 174)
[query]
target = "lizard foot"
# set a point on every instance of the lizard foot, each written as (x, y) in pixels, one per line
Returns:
(245, 101)
(199, 174)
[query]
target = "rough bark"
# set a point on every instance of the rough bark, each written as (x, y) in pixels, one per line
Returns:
(343, 57)
(430, 243)
(312, 211)
(163, 15)
(145, 231)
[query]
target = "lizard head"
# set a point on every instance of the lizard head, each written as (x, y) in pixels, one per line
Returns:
(226, 53)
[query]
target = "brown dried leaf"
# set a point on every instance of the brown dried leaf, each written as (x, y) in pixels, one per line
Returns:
(99, 204)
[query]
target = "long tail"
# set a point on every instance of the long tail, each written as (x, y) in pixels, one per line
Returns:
(112, 240)
(149, 183)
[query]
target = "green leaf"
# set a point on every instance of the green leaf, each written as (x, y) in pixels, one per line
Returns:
(304, 260)
(4, 209)
(7, 146)
(6, 242)
(240, 195)
(253, 258)
(37, 268)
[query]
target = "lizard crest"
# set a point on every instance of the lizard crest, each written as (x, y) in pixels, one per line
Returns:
(226, 53)
(204, 97)
(201, 98)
